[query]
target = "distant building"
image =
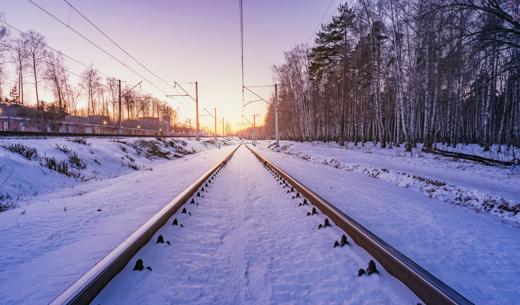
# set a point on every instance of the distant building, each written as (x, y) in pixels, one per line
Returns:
(150, 123)
(8, 109)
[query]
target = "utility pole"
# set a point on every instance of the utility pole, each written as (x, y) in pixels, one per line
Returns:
(196, 100)
(215, 117)
(168, 125)
(197, 107)
(276, 110)
(277, 136)
(252, 124)
(119, 126)
(223, 130)
(254, 130)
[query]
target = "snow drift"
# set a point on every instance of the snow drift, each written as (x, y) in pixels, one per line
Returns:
(31, 166)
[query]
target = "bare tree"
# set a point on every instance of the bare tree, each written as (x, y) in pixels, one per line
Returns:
(113, 91)
(3, 47)
(20, 56)
(394, 71)
(35, 47)
(56, 75)
(90, 82)
(73, 97)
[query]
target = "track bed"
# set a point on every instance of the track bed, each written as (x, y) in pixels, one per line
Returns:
(248, 242)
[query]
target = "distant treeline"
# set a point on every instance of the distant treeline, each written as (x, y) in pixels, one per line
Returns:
(35, 62)
(410, 71)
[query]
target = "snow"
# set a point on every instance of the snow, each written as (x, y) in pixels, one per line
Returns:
(250, 243)
(496, 152)
(56, 236)
(491, 189)
(477, 254)
(103, 158)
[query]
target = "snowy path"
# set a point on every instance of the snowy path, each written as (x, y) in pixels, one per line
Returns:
(473, 253)
(249, 243)
(46, 248)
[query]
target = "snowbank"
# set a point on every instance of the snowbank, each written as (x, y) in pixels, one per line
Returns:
(56, 237)
(472, 252)
(32, 166)
(491, 189)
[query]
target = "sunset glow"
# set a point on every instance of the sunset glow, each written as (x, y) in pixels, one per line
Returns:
(259, 152)
(179, 41)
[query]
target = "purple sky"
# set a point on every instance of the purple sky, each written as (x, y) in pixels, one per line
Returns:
(182, 40)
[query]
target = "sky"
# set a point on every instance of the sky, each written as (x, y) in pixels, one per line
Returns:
(180, 40)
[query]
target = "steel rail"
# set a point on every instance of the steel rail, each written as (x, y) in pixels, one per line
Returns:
(85, 289)
(424, 284)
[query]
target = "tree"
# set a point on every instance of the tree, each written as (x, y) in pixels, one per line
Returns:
(20, 56)
(293, 97)
(35, 47)
(113, 91)
(91, 81)
(56, 75)
(330, 60)
(14, 95)
(130, 102)
(393, 71)
(3, 35)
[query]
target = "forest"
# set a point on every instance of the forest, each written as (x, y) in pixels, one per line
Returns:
(35, 64)
(406, 72)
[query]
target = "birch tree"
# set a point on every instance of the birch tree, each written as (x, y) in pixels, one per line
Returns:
(57, 77)
(395, 71)
(90, 82)
(35, 46)
(19, 56)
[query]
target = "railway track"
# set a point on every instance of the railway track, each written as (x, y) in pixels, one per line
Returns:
(423, 284)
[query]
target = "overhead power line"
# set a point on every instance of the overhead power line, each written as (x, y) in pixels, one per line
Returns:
(115, 43)
(22, 33)
(176, 84)
(241, 5)
(89, 41)
(321, 20)
(258, 96)
(95, 45)
(45, 61)
(211, 114)
(58, 52)
(260, 86)
(98, 28)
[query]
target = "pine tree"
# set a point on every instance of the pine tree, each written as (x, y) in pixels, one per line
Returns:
(15, 97)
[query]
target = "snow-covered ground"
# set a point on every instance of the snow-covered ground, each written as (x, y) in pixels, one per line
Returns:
(490, 189)
(65, 224)
(250, 243)
(496, 152)
(55, 237)
(478, 254)
(33, 166)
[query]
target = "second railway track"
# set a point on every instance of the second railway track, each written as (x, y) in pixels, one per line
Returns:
(245, 238)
